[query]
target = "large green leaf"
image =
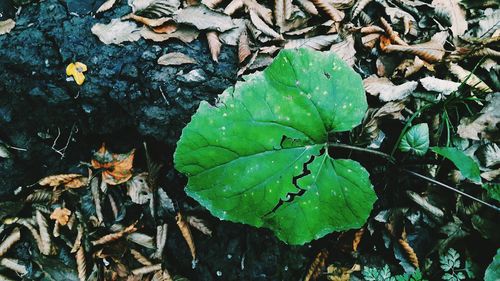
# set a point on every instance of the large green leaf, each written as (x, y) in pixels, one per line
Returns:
(493, 271)
(416, 139)
(260, 155)
(464, 163)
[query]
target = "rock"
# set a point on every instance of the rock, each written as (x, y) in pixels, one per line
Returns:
(195, 76)
(129, 71)
(80, 7)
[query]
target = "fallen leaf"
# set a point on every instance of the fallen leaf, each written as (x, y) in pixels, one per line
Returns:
(282, 12)
(243, 47)
(308, 6)
(154, 8)
(175, 58)
(262, 26)
(444, 87)
(138, 189)
(469, 78)
(199, 224)
(399, 16)
(214, 45)
(393, 35)
(408, 67)
(204, 19)
(117, 32)
(231, 36)
(358, 7)
(67, 180)
(317, 43)
(370, 40)
(212, 4)
(117, 168)
(76, 70)
(451, 10)
(386, 90)
(263, 12)
(316, 265)
(61, 215)
(432, 51)
(186, 233)
(4, 151)
(147, 21)
(114, 236)
(341, 273)
(184, 33)
(6, 26)
(485, 126)
(106, 6)
(345, 50)
(233, 6)
(168, 27)
(327, 7)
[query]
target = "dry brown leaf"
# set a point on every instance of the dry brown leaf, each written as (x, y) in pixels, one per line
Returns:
(308, 6)
(117, 168)
(184, 33)
(386, 90)
(154, 8)
(345, 50)
(230, 37)
(342, 4)
(203, 18)
(15, 265)
(44, 233)
(408, 67)
(370, 126)
(461, 53)
(161, 240)
(61, 215)
(175, 58)
(147, 269)
(444, 87)
(199, 224)
(371, 29)
(162, 276)
(341, 273)
(324, 5)
(214, 45)
(451, 10)
(186, 233)
(263, 12)
(491, 175)
(140, 258)
(469, 78)
(28, 223)
(358, 7)
(138, 189)
(6, 26)
(67, 180)
(212, 4)
(141, 239)
(393, 35)
(117, 32)
(114, 236)
(243, 47)
(106, 6)
(317, 43)
(147, 21)
(262, 26)
(431, 51)
(167, 27)
(94, 189)
(412, 256)
(315, 267)
(399, 16)
(486, 125)
(282, 12)
(233, 6)
(39, 196)
(81, 264)
(370, 40)
(9, 241)
(78, 239)
(357, 238)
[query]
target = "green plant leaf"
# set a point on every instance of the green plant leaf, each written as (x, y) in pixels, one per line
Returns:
(493, 271)
(260, 155)
(416, 139)
(493, 190)
(467, 166)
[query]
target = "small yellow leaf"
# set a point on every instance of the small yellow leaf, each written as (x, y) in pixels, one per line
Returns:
(76, 70)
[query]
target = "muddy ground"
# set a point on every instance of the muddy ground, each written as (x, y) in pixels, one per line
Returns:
(127, 99)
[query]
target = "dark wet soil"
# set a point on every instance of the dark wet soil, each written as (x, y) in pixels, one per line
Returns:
(127, 99)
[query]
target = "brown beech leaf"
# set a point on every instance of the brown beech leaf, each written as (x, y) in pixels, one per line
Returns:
(61, 215)
(393, 35)
(233, 6)
(67, 180)
(81, 264)
(469, 78)
(358, 7)
(308, 6)
(186, 233)
(444, 87)
(342, 4)
(486, 125)
(327, 7)
(117, 32)
(106, 6)
(138, 189)
(147, 21)
(175, 58)
(203, 18)
(370, 40)
(9, 241)
(341, 273)
(317, 264)
(408, 67)
(317, 43)
(282, 12)
(154, 8)
(262, 26)
(231, 36)
(451, 11)
(6, 26)
(263, 12)
(399, 16)
(184, 33)
(214, 45)
(412, 256)
(243, 47)
(345, 50)
(357, 238)
(371, 29)
(114, 236)
(168, 27)
(431, 51)
(386, 90)
(370, 129)
(199, 224)
(117, 168)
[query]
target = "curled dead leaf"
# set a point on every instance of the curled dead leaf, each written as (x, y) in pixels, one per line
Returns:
(175, 58)
(203, 18)
(345, 50)
(199, 224)
(485, 126)
(262, 26)
(184, 33)
(243, 47)
(469, 78)
(186, 233)
(386, 90)
(452, 12)
(393, 35)
(61, 215)
(432, 51)
(317, 264)
(117, 168)
(67, 180)
(308, 6)
(214, 45)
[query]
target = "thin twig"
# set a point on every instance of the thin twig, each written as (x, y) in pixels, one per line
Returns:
(453, 189)
(367, 150)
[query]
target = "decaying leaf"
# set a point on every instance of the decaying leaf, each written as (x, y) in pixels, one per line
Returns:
(345, 50)
(341, 273)
(199, 224)
(76, 70)
(308, 6)
(431, 51)
(316, 266)
(393, 35)
(317, 43)
(147, 269)
(44, 233)
(262, 26)
(370, 40)
(106, 6)
(61, 215)
(81, 264)
(138, 189)
(186, 233)
(117, 32)
(67, 180)
(327, 7)
(212, 4)
(386, 90)
(243, 47)
(117, 168)
(282, 12)
(168, 27)
(370, 126)
(161, 240)
(6, 26)
(399, 16)
(114, 236)
(175, 58)
(444, 87)
(204, 19)
(154, 8)
(184, 33)
(357, 238)
(231, 36)
(147, 21)
(263, 12)
(140, 258)
(469, 78)
(485, 125)
(9, 241)
(408, 67)
(214, 45)
(451, 10)
(358, 7)
(412, 256)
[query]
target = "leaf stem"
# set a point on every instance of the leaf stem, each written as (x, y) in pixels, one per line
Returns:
(367, 150)
(431, 180)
